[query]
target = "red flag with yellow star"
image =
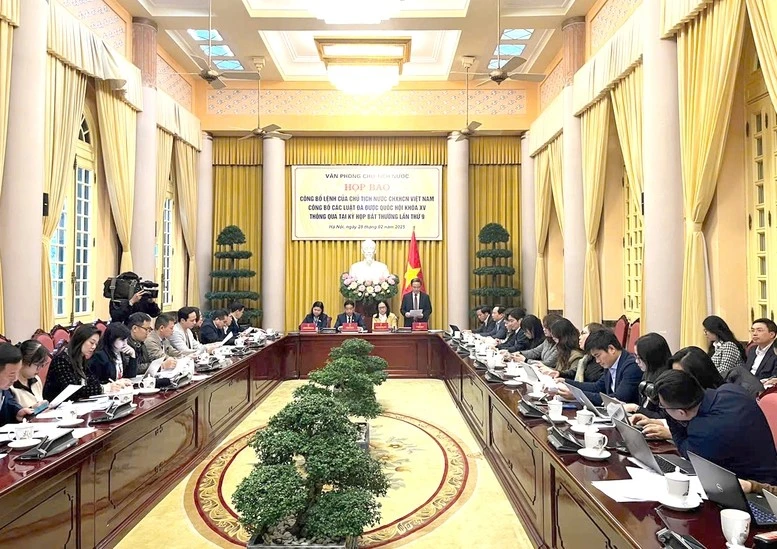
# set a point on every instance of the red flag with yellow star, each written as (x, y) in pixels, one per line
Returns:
(413, 269)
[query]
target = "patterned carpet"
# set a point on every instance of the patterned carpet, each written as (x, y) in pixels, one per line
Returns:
(442, 491)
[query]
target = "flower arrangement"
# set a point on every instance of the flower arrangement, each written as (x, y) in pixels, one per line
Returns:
(369, 291)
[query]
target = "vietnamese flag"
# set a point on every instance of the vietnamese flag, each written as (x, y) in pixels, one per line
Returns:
(413, 267)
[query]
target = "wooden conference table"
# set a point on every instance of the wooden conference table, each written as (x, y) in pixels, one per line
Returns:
(94, 493)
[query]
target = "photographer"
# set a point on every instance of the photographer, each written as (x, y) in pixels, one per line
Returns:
(129, 294)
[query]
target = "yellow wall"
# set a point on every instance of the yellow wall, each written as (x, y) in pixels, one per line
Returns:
(611, 231)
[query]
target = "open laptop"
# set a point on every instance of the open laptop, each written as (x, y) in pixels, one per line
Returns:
(531, 373)
(638, 448)
(455, 329)
(599, 415)
(722, 487)
(613, 407)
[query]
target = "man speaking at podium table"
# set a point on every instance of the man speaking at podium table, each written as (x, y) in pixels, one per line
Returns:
(416, 301)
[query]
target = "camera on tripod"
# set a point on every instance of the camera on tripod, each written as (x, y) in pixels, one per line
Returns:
(128, 284)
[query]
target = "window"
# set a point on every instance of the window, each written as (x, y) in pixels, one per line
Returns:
(167, 251)
(171, 258)
(72, 246)
(632, 253)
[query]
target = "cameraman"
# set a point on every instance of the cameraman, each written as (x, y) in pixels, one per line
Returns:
(121, 309)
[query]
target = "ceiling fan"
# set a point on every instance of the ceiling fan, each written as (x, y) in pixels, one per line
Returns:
(259, 131)
(208, 72)
(503, 72)
(471, 127)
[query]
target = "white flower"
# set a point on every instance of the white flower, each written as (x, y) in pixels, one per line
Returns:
(376, 288)
(361, 287)
(384, 285)
(359, 294)
(353, 286)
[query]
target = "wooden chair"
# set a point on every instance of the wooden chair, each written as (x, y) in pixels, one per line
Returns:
(45, 339)
(4, 339)
(633, 336)
(101, 325)
(621, 329)
(44, 370)
(768, 403)
(60, 334)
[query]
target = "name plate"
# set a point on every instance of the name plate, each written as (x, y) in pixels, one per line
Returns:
(350, 327)
(308, 327)
(420, 326)
(380, 327)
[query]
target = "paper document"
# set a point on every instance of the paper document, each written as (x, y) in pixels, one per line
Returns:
(81, 432)
(630, 490)
(64, 395)
(416, 312)
(229, 336)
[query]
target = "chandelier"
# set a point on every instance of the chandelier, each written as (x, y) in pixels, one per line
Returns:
(354, 12)
(363, 79)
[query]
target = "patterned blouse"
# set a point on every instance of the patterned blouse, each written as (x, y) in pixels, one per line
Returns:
(62, 373)
(726, 356)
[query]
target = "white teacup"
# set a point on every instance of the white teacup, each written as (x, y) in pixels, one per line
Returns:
(270, 332)
(595, 441)
(240, 342)
(537, 387)
(677, 484)
(735, 525)
(23, 431)
(584, 417)
(148, 382)
(555, 409)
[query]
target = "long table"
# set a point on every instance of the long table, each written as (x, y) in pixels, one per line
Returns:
(92, 494)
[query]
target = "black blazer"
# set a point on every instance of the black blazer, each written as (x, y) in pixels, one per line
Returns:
(487, 326)
(209, 333)
(499, 331)
(424, 303)
(627, 379)
(9, 408)
(515, 342)
(768, 366)
(62, 373)
(323, 320)
(103, 367)
(342, 318)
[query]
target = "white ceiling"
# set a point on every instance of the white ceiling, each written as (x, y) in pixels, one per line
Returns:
(281, 31)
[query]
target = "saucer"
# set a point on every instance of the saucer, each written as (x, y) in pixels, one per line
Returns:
(689, 502)
(148, 390)
(583, 429)
(592, 455)
(24, 444)
(513, 383)
(536, 396)
(69, 422)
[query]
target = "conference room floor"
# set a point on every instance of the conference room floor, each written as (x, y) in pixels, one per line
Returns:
(443, 492)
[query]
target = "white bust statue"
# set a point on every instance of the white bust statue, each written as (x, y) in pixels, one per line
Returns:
(369, 269)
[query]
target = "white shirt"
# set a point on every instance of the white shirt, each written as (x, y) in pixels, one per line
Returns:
(759, 356)
(614, 372)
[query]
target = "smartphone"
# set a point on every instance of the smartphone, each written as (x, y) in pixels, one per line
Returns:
(38, 409)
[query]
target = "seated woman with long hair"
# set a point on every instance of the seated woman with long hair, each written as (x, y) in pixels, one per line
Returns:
(573, 362)
(114, 360)
(28, 388)
(70, 367)
(725, 349)
(532, 328)
(653, 358)
(547, 351)
(316, 316)
(384, 314)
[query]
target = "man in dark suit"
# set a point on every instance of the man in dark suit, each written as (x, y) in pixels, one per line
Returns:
(348, 316)
(10, 364)
(761, 360)
(516, 338)
(486, 322)
(621, 377)
(212, 330)
(416, 300)
(724, 425)
(499, 331)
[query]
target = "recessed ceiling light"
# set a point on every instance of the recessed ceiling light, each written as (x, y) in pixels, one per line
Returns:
(222, 50)
(363, 50)
(228, 65)
(517, 34)
(509, 49)
(202, 34)
(497, 63)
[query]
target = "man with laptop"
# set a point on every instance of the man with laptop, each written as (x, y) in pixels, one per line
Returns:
(723, 425)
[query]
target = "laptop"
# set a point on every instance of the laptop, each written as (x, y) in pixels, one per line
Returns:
(579, 395)
(455, 329)
(531, 373)
(613, 407)
(639, 450)
(722, 487)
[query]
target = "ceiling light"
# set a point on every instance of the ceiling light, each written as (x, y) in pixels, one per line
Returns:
(497, 63)
(228, 64)
(363, 79)
(354, 12)
(362, 50)
(509, 49)
(517, 34)
(220, 50)
(204, 34)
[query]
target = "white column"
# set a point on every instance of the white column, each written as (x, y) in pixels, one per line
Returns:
(574, 227)
(143, 237)
(274, 233)
(21, 224)
(204, 252)
(457, 232)
(663, 227)
(528, 234)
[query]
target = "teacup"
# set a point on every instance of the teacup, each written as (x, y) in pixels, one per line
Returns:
(23, 431)
(555, 409)
(240, 342)
(595, 441)
(537, 387)
(584, 417)
(148, 382)
(735, 525)
(677, 484)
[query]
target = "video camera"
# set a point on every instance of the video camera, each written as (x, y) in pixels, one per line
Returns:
(128, 284)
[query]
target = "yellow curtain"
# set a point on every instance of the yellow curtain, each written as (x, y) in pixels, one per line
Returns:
(9, 12)
(313, 266)
(186, 187)
(708, 51)
(626, 99)
(118, 122)
(541, 224)
(164, 165)
(595, 125)
(763, 21)
(494, 186)
(65, 97)
(555, 167)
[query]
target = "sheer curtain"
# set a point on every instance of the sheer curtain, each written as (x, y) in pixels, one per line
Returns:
(541, 223)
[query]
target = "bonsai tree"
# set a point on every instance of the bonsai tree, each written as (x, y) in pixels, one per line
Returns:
(497, 270)
(351, 375)
(312, 480)
(229, 240)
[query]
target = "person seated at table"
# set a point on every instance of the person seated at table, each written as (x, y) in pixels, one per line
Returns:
(724, 425)
(317, 316)
(533, 330)
(69, 367)
(182, 339)
(10, 364)
(547, 352)
(725, 349)
(213, 329)
(653, 358)
(499, 330)
(157, 342)
(621, 378)
(567, 340)
(236, 311)
(349, 316)
(114, 359)
(485, 319)
(198, 322)
(28, 387)
(761, 358)
(587, 368)
(140, 325)
(384, 314)
(516, 337)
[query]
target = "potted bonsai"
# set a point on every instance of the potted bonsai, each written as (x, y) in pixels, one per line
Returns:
(497, 274)
(312, 486)
(351, 375)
